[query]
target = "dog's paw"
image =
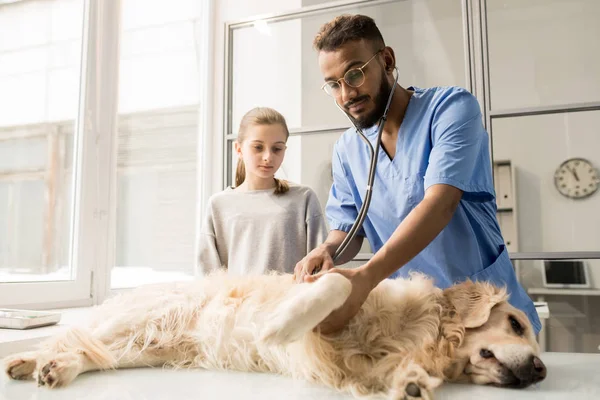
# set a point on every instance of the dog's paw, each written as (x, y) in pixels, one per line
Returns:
(20, 366)
(58, 371)
(413, 382)
(303, 312)
(300, 314)
(282, 329)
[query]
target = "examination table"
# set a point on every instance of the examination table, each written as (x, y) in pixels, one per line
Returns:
(571, 376)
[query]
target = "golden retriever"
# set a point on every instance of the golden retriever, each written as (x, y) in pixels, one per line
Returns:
(407, 339)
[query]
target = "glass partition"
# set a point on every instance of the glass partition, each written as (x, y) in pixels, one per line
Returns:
(550, 181)
(543, 52)
(273, 63)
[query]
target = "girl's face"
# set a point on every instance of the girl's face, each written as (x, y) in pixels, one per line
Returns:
(262, 150)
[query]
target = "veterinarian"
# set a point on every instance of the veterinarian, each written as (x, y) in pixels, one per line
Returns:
(433, 206)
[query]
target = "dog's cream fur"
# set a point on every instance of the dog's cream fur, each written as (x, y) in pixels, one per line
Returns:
(405, 341)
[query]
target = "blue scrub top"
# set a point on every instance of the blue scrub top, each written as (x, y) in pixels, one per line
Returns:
(441, 140)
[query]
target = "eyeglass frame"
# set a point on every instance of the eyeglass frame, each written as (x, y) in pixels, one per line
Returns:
(347, 72)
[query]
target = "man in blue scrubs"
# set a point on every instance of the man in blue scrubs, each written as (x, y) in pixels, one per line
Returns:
(433, 206)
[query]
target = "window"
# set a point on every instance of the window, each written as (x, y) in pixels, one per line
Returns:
(98, 142)
(273, 62)
(40, 62)
(544, 50)
(157, 141)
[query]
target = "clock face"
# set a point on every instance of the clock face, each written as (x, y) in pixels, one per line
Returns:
(576, 178)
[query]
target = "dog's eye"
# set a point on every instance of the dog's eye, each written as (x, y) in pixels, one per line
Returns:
(485, 353)
(515, 325)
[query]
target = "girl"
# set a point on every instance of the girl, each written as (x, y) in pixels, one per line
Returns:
(264, 223)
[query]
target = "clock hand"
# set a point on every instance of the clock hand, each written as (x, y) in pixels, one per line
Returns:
(574, 174)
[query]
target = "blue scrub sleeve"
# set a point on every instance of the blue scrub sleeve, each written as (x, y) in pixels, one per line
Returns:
(341, 209)
(460, 151)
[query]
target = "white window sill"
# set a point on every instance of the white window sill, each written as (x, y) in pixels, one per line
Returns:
(17, 340)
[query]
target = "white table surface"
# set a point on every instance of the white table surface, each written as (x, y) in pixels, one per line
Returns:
(570, 376)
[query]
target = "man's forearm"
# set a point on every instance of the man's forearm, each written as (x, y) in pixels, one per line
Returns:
(335, 239)
(417, 230)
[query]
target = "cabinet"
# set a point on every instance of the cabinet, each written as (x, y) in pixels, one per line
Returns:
(506, 199)
(505, 185)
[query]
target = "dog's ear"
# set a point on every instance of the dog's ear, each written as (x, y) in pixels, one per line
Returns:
(473, 301)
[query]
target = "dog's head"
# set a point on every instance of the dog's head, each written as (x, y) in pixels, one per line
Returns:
(499, 346)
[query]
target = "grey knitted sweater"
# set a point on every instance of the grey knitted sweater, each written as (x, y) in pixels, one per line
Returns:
(257, 231)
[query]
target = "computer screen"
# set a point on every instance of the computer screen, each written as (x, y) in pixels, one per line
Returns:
(565, 272)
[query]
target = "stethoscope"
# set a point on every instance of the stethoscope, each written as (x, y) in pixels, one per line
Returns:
(374, 153)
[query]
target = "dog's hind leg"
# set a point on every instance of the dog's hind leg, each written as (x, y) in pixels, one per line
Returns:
(303, 311)
(60, 360)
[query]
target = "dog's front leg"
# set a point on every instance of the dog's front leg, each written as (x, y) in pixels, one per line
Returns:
(410, 381)
(302, 312)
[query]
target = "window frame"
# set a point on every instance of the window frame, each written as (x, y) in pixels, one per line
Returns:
(93, 235)
(85, 213)
(95, 129)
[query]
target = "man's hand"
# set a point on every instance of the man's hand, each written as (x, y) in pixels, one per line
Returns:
(318, 259)
(361, 287)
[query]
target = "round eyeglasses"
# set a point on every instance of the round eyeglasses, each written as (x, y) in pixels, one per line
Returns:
(354, 77)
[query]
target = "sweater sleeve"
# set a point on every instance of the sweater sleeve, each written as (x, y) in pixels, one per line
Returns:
(208, 255)
(316, 226)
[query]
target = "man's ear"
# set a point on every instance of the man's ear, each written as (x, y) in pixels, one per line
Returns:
(389, 58)
(474, 301)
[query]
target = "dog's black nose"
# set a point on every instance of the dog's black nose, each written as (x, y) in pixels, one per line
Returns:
(532, 371)
(539, 369)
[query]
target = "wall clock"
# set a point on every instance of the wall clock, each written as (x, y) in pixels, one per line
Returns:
(576, 178)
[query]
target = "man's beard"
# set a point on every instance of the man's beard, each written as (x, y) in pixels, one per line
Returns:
(371, 118)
